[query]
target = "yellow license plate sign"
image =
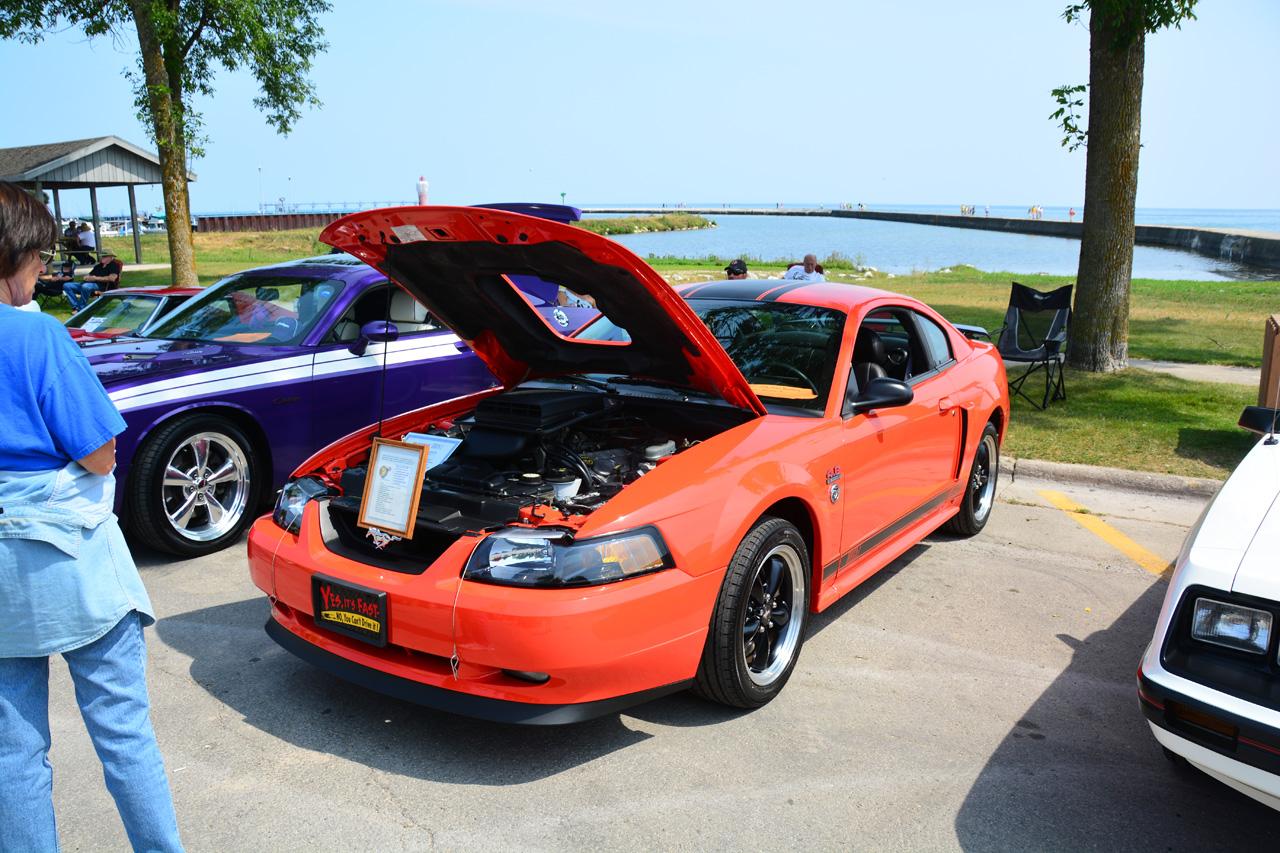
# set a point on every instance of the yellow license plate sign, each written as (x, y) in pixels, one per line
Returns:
(350, 609)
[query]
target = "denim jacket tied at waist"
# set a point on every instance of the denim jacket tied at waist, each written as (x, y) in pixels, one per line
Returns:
(66, 574)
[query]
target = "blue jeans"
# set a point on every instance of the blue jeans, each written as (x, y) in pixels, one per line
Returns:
(111, 689)
(80, 293)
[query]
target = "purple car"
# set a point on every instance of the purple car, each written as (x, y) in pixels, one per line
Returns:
(226, 396)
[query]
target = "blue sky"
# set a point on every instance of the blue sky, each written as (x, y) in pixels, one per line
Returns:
(919, 102)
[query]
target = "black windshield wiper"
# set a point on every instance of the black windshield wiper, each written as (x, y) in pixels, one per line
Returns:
(579, 379)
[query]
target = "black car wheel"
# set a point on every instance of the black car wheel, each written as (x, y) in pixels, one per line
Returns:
(758, 624)
(980, 492)
(195, 486)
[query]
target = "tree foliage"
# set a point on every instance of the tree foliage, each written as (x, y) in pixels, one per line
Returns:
(1117, 44)
(1126, 20)
(181, 45)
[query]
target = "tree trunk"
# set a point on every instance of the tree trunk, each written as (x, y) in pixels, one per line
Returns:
(167, 126)
(1100, 322)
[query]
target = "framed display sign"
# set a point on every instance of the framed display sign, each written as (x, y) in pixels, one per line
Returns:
(392, 489)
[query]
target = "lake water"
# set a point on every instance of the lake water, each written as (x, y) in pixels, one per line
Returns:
(900, 247)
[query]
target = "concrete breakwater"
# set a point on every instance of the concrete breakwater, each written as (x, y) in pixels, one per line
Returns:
(1259, 248)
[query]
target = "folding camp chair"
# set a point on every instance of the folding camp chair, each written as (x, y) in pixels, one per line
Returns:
(47, 293)
(1035, 334)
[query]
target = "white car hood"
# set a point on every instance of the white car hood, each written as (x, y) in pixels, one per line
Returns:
(1240, 533)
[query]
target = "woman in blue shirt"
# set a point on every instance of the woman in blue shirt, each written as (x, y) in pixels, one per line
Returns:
(67, 581)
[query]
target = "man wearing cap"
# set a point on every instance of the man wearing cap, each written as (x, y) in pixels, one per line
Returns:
(737, 270)
(105, 275)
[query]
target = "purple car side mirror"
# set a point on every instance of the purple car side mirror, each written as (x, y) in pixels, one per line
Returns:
(382, 331)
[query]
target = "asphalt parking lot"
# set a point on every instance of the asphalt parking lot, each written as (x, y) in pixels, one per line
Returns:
(975, 695)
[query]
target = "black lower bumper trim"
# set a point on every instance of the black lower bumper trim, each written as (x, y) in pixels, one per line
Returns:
(481, 707)
(1255, 744)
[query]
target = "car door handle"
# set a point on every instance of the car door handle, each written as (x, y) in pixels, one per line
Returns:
(462, 347)
(944, 404)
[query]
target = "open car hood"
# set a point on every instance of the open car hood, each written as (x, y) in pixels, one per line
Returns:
(457, 261)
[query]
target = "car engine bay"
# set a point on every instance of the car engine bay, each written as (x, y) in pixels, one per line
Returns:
(525, 455)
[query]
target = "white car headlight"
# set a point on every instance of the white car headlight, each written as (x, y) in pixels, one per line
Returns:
(1231, 625)
(518, 556)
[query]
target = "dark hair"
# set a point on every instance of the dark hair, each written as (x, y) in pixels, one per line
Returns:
(26, 226)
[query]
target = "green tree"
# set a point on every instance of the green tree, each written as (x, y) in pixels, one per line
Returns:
(1117, 44)
(180, 45)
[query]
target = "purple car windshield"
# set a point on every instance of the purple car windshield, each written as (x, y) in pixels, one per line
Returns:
(266, 310)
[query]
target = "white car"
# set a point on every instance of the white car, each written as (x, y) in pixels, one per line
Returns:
(1209, 683)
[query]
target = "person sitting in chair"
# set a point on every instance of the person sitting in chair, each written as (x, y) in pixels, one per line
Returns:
(808, 271)
(86, 239)
(105, 275)
(67, 273)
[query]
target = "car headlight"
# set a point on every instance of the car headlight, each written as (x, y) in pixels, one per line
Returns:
(517, 556)
(293, 499)
(1243, 628)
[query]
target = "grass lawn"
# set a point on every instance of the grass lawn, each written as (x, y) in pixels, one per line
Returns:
(1133, 419)
(1137, 420)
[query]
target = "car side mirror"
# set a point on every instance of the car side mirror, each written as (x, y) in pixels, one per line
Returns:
(380, 331)
(1259, 419)
(882, 393)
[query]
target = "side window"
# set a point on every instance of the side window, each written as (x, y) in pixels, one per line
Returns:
(936, 343)
(898, 343)
(382, 302)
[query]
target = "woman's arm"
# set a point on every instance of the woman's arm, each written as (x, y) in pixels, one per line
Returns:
(102, 460)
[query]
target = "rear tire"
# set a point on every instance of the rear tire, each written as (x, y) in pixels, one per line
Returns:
(758, 624)
(196, 485)
(980, 492)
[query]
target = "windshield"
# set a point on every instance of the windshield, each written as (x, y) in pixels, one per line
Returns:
(111, 315)
(243, 309)
(786, 352)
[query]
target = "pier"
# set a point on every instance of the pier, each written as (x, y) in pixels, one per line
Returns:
(1258, 248)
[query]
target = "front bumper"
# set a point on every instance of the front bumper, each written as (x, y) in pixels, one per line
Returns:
(462, 646)
(1237, 749)
(442, 699)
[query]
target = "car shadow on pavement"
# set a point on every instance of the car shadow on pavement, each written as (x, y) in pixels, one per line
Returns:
(234, 660)
(1072, 773)
(241, 667)
(685, 710)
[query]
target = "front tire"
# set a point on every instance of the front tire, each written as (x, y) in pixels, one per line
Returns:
(758, 624)
(195, 487)
(980, 492)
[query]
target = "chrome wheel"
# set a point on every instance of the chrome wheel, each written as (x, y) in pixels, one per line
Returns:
(206, 486)
(982, 480)
(770, 633)
(758, 624)
(980, 490)
(194, 485)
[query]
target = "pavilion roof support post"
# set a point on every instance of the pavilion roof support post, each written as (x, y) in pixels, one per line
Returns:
(133, 219)
(57, 211)
(97, 223)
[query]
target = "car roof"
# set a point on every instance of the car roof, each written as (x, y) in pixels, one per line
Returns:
(846, 298)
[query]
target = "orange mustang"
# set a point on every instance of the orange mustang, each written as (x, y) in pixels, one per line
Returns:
(654, 502)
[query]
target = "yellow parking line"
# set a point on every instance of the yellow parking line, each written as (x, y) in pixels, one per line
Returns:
(1110, 535)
